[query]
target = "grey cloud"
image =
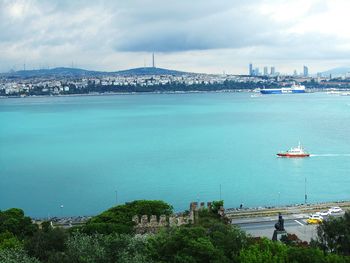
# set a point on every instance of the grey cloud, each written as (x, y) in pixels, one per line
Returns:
(86, 30)
(229, 27)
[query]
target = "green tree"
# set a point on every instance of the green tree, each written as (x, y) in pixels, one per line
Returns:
(43, 244)
(264, 251)
(16, 256)
(14, 221)
(83, 248)
(312, 255)
(184, 244)
(228, 238)
(9, 241)
(333, 235)
(119, 219)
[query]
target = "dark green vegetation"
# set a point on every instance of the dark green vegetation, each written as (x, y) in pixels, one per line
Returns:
(109, 237)
(118, 219)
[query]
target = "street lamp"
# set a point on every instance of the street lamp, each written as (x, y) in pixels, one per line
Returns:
(61, 209)
(305, 200)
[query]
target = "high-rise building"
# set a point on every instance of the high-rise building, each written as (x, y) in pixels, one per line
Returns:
(306, 71)
(251, 73)
(266, 71)
(256, 71)
(153, 63)
(273, 71)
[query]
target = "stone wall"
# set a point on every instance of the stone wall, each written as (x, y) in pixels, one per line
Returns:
(152, 224)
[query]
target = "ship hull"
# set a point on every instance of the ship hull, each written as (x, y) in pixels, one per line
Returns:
(288, 155)
(298, 91)
(276, 91)
(282, 90)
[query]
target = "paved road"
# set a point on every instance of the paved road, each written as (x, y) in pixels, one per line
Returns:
(270, 225)
(293, 226)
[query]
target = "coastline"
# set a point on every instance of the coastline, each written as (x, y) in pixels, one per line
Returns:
(127, 93)
(141, 93)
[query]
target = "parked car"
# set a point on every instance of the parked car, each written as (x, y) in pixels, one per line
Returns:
(335, 210)
(323, 213)
(314, 219)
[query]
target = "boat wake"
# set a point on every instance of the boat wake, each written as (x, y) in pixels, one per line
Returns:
(331, 155)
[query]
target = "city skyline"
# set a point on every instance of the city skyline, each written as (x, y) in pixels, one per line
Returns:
(224, 36)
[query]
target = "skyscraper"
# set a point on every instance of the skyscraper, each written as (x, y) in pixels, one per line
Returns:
(251, 69)
(256, 71)
(266, 71)
(273, 71)
(306, 71)
(153, 64)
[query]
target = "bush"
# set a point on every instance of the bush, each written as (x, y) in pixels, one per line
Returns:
(119, 219)
(16, 256)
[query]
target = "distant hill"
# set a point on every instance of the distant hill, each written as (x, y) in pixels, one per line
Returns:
(76, 72)
(69, 72)
(150, 71)
(336, 71)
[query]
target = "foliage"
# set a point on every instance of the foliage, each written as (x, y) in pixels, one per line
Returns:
(333, 235)
(216, 205)
(83, 248)
(293, 240)
(184, 244)
(45, 243)
(229, 239)
(119, 219)
(264, 250)
(9, 241)
(16, 256)
(14, 221)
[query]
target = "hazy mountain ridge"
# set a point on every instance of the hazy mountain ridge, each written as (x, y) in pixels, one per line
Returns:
(77, 72)
(336, 71)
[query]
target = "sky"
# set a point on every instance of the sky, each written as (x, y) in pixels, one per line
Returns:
(198, 35)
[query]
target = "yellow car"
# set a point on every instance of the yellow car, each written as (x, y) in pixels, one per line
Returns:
(314, 219)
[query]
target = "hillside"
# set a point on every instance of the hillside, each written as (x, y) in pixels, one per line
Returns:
(77, 72)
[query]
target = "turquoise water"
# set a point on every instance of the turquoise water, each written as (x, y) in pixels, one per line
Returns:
(78, 151)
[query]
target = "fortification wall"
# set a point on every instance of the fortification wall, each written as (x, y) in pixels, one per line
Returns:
(145, 224)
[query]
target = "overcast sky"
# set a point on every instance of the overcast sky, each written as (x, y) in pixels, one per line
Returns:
(191, 35)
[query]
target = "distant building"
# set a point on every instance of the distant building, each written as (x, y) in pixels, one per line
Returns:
(266, 71)
(251, 72)
(256, 72)
(295, 73)
(306, 71)
(273, 71)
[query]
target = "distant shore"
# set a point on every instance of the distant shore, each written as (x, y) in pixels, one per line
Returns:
(127, 93)
(150, 92)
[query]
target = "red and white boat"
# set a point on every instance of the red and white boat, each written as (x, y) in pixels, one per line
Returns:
(296, 152)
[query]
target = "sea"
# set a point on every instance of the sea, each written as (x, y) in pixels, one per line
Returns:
(80, 155)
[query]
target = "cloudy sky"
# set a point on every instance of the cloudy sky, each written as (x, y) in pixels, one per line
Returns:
(192, 35)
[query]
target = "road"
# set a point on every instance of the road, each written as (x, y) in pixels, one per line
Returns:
(293, 226)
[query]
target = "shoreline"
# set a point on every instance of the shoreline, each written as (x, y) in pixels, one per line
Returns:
(126, 93)
(150, 92)
(242, 213)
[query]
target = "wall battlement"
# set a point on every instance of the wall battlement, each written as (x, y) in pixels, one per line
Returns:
(151, 224)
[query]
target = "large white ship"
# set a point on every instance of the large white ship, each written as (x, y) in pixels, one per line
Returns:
(295, 88)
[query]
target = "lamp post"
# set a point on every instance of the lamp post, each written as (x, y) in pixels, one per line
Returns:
(305, 200)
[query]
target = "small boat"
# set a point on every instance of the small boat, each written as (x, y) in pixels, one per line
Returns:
(294, 152)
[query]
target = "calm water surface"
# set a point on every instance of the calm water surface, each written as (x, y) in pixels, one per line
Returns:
(78, 151)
